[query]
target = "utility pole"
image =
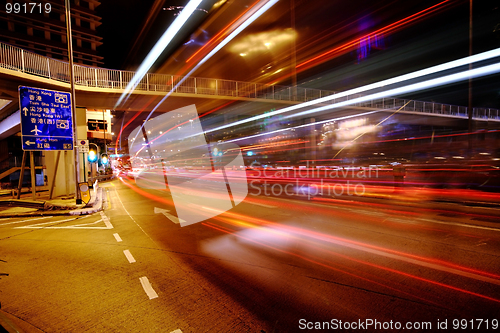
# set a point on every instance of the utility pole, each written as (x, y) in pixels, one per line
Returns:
(73, 108)
(104, 134)
(469, 106)
(294, 50)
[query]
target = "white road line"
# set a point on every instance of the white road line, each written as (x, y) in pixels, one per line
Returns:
(117, 237)
(36, 218)
(461, 225)
(148, 288)
(76, 226)
(176, 331)
(126, 211)
(129, 256)
(106, 221)
(263, 205)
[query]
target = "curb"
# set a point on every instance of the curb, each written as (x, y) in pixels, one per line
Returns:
(96, 206)
(70, 210)
(7, 325)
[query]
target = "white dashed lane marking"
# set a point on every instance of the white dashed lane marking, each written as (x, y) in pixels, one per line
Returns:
(148, 288)
(129, 256)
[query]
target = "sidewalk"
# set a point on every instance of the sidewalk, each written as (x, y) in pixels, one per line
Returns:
(26, 206)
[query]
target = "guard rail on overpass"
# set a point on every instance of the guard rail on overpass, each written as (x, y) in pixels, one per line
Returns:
(17, 59)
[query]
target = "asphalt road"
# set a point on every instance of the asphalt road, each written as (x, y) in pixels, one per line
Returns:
(267, 265)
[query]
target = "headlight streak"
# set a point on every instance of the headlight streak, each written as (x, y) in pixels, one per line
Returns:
(412, 259)
(334, 266)
(305, 232)
(245, 24)
(300, 126)
(128, 123)
(452, 78)
(432, 263)
(146, 194)
(431, 70)
(328, 265)
(159, 47)
(382, 121)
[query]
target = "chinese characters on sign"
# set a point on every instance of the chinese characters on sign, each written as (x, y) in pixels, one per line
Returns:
(46, 119)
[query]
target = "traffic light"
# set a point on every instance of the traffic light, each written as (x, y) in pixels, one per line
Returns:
(92, 154)
(104, 159)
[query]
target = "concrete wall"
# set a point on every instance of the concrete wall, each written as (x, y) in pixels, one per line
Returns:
(65, 177)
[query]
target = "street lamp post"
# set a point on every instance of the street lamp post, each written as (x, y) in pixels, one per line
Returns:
(73, 109)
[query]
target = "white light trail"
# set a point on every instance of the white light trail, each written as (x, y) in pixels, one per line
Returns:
(159, 47)
(482, 71)
(224, 42)
(245, 24)
(431, 70)
(300, 126)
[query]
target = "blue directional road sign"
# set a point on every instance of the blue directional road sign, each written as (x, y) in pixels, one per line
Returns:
(46, 119)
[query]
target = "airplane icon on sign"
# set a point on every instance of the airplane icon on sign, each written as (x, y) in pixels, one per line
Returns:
(36, 130)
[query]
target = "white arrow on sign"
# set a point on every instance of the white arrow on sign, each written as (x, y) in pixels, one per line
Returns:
(172, 218)
(25, 109)
(29, 143)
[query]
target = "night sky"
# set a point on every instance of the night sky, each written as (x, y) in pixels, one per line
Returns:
(121, 21)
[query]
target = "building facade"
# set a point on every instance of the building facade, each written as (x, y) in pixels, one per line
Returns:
(42, 29)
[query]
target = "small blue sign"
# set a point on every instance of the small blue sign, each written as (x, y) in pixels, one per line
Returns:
(46, 119)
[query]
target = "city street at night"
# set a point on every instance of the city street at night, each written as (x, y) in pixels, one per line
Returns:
(261, 166)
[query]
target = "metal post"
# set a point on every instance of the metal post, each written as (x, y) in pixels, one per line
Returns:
(73, 108)
(51, 191)
(22, 58)
(84, 172)
(48, 67)
(21, 175)
(104, 130)
(33, 179)
(469, 108)
(293, 58)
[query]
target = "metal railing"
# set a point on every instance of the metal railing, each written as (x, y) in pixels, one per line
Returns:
(15, 58)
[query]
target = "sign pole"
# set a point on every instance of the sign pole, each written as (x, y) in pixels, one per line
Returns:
(54, 177)
(84, 172)
(73, 109)
(21, 175)
(33, 179)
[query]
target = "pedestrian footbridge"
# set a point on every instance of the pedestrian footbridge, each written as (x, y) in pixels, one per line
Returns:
(101, 88)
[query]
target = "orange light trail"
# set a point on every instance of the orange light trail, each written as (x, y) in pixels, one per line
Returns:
(329, 265)
(128, 123)
(330, 238)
